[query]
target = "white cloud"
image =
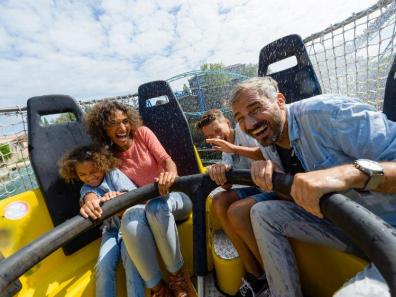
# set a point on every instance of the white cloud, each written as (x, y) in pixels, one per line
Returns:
(90, 49)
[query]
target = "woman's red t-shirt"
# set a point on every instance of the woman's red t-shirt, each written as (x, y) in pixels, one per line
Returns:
(142, 162)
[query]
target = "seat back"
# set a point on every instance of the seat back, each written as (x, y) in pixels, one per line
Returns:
(389, 107)
(297, 82)
(161, 112)
(47, 144)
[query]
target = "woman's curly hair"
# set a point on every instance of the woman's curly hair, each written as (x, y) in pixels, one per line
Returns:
(102, 158)
(99, 115)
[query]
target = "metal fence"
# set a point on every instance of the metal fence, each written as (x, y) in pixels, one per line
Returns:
(353, 57)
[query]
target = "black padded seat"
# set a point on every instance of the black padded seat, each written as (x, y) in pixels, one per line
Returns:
(298, 82)
(161, 112)
(389, 107)
(47, 144)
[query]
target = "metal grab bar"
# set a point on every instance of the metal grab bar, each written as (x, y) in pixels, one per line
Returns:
(376, 238)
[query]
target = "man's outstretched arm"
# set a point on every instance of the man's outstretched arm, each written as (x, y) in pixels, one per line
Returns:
(309, 187)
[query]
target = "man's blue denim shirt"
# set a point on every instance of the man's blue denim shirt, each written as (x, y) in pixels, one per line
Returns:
(330, 130)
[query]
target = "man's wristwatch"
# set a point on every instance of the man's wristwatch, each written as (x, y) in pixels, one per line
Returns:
(374, 171)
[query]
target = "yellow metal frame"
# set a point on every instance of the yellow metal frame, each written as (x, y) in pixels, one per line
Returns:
(58, 274)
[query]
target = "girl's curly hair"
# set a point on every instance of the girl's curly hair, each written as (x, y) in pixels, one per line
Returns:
(99, 116)
(102, 158)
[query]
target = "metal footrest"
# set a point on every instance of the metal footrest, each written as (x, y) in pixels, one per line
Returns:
(223, 247)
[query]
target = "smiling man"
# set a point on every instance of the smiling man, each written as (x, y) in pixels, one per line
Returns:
(327, 136)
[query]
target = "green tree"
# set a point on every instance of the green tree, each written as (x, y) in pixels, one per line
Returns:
(186, 89)
(64, 118)
(43, 121)
(250, 70)
(5, 152)
(217, 78)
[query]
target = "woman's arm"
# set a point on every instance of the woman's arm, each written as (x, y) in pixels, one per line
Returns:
(168, 169)
(169, 166)
(167, 176)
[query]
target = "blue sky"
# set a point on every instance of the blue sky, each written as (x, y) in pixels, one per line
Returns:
(93, 49)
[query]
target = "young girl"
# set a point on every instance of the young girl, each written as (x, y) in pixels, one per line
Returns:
(95, 167)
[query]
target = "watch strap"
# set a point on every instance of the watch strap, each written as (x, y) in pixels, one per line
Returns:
(373, 182)
(375, 177)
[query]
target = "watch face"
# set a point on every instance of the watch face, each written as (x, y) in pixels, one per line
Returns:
(370, 165)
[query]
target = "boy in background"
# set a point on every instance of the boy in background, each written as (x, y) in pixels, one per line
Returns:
(232, 207)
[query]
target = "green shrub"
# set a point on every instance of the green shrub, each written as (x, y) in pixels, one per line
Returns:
(5, 152)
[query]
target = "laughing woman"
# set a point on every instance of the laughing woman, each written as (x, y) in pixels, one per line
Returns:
(145, 228)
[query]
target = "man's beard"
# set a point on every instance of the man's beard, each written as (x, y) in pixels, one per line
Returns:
(271, 140)
(276, 128)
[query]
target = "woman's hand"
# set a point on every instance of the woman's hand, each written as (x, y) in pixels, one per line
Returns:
(167, 176)
(165, 180)
(109, 195)
(91, 207)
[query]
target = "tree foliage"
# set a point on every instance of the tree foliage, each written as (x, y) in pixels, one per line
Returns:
(5, 152)
(215, 76)
(64, 118)
(60, 119)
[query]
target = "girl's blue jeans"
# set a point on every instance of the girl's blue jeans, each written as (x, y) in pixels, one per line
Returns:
(111, 250)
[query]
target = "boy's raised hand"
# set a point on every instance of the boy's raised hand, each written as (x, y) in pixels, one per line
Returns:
(221, 145)
(91, 207)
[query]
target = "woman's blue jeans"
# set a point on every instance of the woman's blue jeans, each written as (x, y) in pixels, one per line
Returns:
(146, 228)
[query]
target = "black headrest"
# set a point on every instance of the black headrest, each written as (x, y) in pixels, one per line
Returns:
(166, 119)
(390, 94)
(47, 144)
(297, 82)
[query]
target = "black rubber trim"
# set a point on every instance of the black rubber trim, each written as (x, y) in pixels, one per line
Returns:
(375, 237)
(389, 106)
(164, 120)
(297, 82)
(13, 288)
(47, 144)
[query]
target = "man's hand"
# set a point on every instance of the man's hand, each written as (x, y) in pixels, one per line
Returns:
(165, 180)
(309, 187)
(217, 172)
(261, 172)
(221, 145)
(91, 207)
